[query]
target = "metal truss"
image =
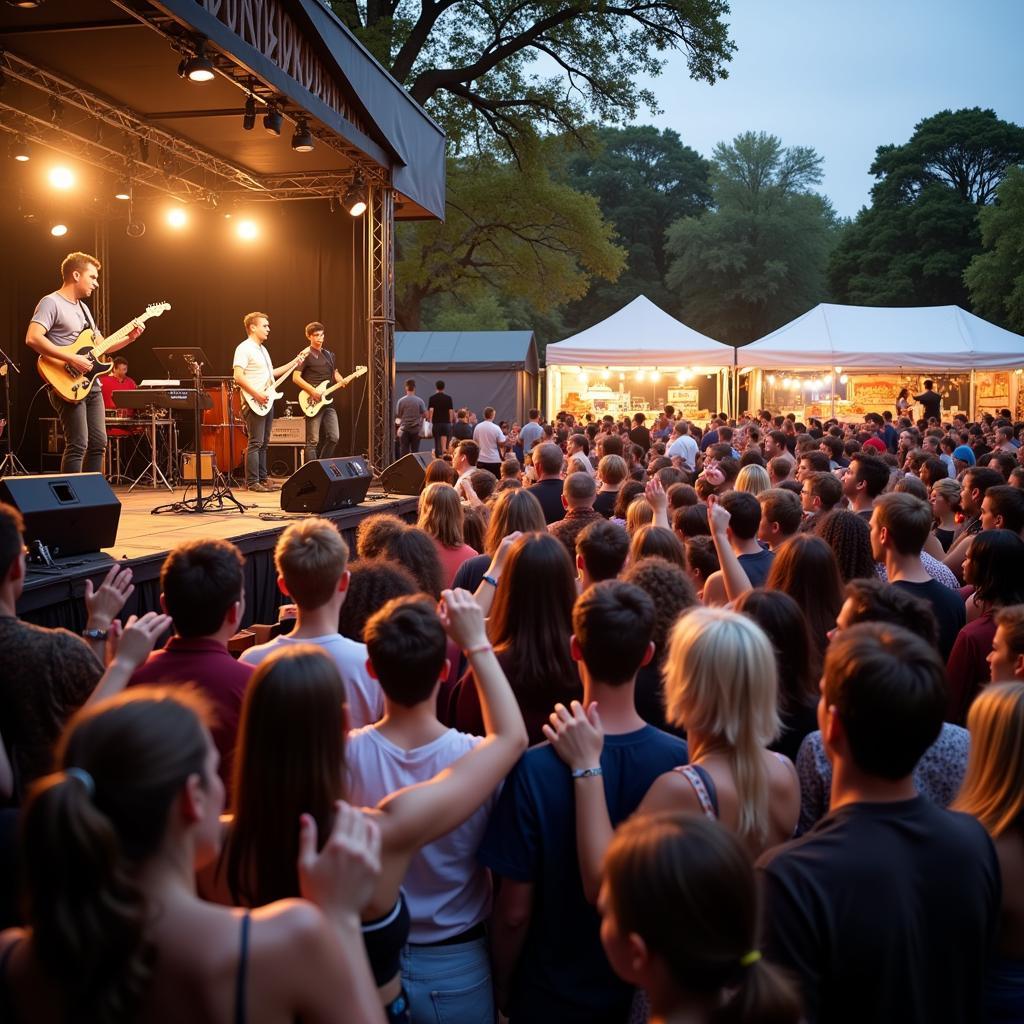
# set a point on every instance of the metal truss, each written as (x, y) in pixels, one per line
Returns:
(380, 286)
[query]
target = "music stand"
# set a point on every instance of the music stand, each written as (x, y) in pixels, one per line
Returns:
(11, 465)
(192, 360)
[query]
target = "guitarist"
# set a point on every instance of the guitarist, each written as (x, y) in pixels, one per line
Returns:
(254, 372)
(58, 320)
(318, 367)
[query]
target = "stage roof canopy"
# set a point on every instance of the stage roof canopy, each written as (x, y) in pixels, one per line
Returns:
(639, 334)
(884, 338)
(467, 350)
(98, 80)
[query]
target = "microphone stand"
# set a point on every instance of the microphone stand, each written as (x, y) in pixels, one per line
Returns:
(11, 464)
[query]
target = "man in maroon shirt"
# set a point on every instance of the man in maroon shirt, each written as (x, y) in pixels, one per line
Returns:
(201, 589)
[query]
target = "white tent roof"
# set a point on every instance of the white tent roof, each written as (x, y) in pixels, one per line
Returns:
(639, 334)
(886, 338)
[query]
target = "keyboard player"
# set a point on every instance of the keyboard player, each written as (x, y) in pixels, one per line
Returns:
(117, 380)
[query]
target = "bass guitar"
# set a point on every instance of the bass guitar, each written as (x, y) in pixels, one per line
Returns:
(311, 407)
(270, 390)
(72, 385)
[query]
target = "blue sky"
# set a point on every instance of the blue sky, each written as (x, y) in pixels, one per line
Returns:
(846, 77)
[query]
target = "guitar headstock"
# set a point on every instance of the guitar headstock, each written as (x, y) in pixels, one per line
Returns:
(360, 370)
(157, 308)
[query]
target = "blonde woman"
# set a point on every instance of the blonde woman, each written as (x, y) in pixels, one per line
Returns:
(945, 501)
(753, 478)
(441, 517)
(721, 686)
(639, 513)
(993, 792)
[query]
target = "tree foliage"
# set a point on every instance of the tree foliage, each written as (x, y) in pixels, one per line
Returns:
(515, 231)
(643, 179)
(995, 277)
(758, 259)
(503, 69)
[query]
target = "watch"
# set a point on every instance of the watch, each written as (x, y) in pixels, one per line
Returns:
(94, 634)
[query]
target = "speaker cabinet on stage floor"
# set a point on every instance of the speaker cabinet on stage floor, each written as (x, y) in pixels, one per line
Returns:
(71, 513)
(406, 475)
(326, 485)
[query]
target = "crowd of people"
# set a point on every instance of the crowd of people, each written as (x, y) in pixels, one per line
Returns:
(639, 721)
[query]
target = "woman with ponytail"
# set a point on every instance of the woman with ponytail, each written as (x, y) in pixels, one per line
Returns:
(116, 932)
(720, 686)
(679, 909)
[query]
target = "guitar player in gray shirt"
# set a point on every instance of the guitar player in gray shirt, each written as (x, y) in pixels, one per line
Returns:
(58, 320)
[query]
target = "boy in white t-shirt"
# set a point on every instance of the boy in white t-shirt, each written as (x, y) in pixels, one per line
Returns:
(312, 568)
(488, 435)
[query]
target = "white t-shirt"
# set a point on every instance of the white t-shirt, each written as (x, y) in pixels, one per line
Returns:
(685, 448)
(488, 436)
(580, 463)
(448, 892)
(362, 692)
(255, 363)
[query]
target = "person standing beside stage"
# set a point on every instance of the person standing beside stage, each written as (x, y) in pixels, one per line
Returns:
(488, 435)
(441, 414)
(410, 413)
(254, 372)
(319, 366)
(59, 318)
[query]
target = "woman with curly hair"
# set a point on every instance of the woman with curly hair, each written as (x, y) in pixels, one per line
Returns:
(372, 582)
(849, 537)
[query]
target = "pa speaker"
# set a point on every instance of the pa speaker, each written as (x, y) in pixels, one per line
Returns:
(326, 485)
(406, 476)
(71, 513)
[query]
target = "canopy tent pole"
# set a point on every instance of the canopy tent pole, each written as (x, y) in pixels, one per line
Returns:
(972, 400)
(833, 373)
(735, 383)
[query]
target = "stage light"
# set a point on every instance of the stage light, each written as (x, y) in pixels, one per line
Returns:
(59, 230)
(61, 177)
(605, 374)
(639, 376)
(272, 119)
(844, 379)
(656, 376)
(198, 68)
(123, 190)
(355, 197)
(177, 217)
(249, 117)
(24, 5)
(21, 150)
(247, 230)
(302, 140)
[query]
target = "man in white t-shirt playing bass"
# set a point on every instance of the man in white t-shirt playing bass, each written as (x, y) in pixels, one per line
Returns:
(256, 374)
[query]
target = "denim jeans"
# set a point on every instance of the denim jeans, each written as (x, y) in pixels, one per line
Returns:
(325, 421)
(259, 441)
(449, 984)
(408, 441)
(85, 431)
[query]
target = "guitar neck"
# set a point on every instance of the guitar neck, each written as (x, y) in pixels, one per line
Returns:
(345, 380)
(120, 334)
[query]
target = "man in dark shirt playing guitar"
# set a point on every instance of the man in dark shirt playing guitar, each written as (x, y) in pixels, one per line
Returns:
(318, 367)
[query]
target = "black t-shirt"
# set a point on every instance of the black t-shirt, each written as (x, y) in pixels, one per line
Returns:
(932, 402)
(885, 912)
(318, 367)
(948, 606)
(462, 430)
(549, 494)
(442, 405)
(641, 436)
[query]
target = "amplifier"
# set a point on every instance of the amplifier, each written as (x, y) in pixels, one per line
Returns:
(188, 466)
(288, 430)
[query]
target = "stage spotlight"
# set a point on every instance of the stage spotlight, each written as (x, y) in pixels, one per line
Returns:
(59, 230)
(21, 150)
(247, 230)
(123, 190)
(355, 197)
(198, 68)
(177, 217)
(24, 5)
(249, 117)
(61, 177)
(302, 140)
(273, 119)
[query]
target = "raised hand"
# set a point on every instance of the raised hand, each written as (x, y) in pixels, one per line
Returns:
(103, 605)
(576, 734)
(654, 492)
(718, 517)
(462, 618)
(132, 643)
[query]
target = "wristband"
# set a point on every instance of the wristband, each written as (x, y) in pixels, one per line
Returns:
(94, 634)
(490, 579)
(478, 650)
(587, 773)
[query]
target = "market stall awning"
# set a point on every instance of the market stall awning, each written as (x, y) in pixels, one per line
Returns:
(926, 338)
(639, 334)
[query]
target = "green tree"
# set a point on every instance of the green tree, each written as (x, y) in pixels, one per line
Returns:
(508, 69)
(516, 232)
(996, 277)
(758, 259)
(913, 244)
(643, 179)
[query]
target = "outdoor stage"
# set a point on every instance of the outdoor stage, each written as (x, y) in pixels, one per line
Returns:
(53, 597)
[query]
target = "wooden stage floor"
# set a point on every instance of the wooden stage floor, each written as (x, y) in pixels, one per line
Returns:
(51, 595)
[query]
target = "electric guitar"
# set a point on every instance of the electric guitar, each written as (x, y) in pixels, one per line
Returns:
(71, 384)
(311, 408)
(270, 390)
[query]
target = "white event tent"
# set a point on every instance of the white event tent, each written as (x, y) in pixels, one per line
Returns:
(845, 340)
(639, 343)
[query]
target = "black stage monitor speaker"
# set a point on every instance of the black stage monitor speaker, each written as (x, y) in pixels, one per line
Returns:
(406, 475)
(326, 485)
(71, 513)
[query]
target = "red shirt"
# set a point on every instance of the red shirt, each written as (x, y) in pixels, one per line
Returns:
(110, 384)
(215, 673)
